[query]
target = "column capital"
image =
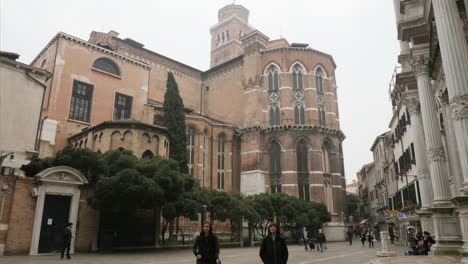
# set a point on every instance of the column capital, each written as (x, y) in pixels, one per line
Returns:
(459, 107)
(436, 154)
(444, 99)
(412, 104)
(420, 64)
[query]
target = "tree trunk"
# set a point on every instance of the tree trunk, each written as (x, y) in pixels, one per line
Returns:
(157, 222)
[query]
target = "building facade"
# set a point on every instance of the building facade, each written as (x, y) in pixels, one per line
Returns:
(263, 118)
(434, 59)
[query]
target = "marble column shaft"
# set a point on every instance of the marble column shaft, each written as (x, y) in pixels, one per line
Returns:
(424, 178)
(433, 138)
(454, 54)
(454, 160)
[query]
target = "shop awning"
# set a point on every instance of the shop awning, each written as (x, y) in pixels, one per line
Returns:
(364, 221)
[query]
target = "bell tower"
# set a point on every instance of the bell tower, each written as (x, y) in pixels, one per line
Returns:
(233, 24)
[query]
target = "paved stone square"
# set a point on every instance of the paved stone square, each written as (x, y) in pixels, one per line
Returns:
(339, 252)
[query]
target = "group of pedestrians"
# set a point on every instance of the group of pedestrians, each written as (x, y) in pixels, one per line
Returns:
(419, 243)
(319, 243)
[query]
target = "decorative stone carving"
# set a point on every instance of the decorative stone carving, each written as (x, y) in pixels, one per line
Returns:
(436, 154)
(412, 104)
(423, 173)
(273, 98)
(327, 179)
(298, 97)
(320, 99)
(420, 65)
(459, 106)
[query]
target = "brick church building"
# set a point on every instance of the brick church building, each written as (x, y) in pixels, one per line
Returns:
(263, 118)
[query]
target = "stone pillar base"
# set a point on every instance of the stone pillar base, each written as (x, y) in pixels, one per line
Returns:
(334, 231)
(386, 254)
(447, 232)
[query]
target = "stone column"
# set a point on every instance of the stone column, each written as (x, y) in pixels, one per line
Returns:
(433, 138)
(454, 54)
(451, 146)
(424, 177)
(446, 225)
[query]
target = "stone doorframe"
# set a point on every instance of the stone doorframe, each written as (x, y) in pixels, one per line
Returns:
(60, 180)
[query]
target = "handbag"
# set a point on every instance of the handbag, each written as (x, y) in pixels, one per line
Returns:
(218, 261)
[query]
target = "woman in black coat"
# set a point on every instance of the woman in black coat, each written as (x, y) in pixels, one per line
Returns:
(206, 246)
(274, 249)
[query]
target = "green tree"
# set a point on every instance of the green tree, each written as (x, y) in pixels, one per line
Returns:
(174, 120)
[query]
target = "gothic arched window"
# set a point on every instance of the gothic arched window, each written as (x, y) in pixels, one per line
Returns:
(299, 115)
(221, 146)
(302, 171)
(107, 65)
(191, 149)
(321, 112)
(275, 167)
(319, 80)
(273, 81)
(297, 77)
(274, 116)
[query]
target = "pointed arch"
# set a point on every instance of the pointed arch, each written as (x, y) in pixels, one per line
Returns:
(320, 67)
(297, 76)
(302, 149)
(269, 65)
(300, 64)
(272, 72)
(275, 166)
(191, 131)
(221, 160)
(299, 114)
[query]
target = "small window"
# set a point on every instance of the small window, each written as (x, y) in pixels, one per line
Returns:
(297, 77)
(274, 116)
(319, 80)
(273, 81)
(321, 113)
(122, 107)
(81, 100)
(107, 65)
(157, 120)
(6, 171)
(299, 115)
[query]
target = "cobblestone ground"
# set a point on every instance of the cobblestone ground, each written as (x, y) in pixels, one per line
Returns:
(339, 252)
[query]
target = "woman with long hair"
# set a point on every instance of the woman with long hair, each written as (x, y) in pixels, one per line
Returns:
(274, 249)
(206, 246)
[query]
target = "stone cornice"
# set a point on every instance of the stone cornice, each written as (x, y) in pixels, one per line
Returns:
(320, 129)
(120, 124)
(420, 64)
(416, 24)
(303, 49)
(90, 45)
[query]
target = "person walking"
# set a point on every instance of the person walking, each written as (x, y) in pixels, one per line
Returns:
(391, 235)
(363, 236)
(206, 246)
(350, 234)
(305, 239)
(321, 240)
(274, 249)
(356, 232)
(371, 237)
(67, 237)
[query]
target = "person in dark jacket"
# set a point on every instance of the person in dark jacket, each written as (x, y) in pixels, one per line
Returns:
(67, 237)
(350, 234)
(321, 240)
(206, 246)
(274, 249)
(428, 242)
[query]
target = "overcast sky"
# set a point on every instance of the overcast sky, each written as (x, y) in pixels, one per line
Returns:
(360, 35)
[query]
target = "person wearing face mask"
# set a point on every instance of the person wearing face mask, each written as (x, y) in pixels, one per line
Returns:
(206, 246)
(274, 249)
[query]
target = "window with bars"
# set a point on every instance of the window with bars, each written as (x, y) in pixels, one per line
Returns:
(321, 113)
(302, 171)
(221, 146)
(122, 106)
(297, 77)
(273, 79)
(275, 167)
(299, 115)
(81, 100)
(191, 150)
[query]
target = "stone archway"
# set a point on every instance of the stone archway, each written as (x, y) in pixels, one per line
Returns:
(60, 181)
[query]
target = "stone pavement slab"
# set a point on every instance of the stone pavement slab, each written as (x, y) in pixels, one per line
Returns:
(417, 260)
(337, 253)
